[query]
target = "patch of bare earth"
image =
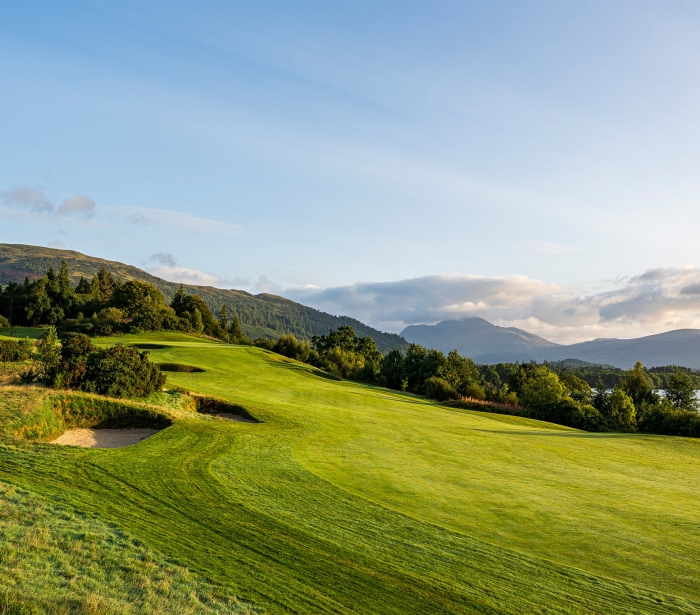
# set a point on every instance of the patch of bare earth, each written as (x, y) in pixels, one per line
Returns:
(104, 438)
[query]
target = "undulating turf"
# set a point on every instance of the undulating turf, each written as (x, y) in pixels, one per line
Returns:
(352, 499)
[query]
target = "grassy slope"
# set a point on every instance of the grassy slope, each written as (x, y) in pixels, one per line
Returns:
(353, 499)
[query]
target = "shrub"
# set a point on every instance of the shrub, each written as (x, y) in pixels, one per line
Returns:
(15, 351)
(4, 322)
(439, 389)
(662, 418)
(567, 411)
(121, 371)
(477, 392)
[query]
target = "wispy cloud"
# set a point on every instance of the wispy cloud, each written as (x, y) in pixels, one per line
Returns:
(174, 219)
(654, 301)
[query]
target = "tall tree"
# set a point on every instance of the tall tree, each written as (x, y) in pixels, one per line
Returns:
(638, 385)
(223, 317)
(179, 300)
(107, 284)
(680, 391)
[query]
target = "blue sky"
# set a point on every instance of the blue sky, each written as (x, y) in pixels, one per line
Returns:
(312, 149)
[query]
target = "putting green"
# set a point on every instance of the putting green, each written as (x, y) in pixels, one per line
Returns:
(353, 499)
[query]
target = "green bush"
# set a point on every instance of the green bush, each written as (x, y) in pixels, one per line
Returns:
(439, 389)
(662, 418)
(15, 351)
(121, 371)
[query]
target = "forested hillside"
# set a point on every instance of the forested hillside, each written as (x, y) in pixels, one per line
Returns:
(260, 315)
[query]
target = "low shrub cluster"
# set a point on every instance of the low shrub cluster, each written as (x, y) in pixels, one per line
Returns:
(13, 352)
(119, 371)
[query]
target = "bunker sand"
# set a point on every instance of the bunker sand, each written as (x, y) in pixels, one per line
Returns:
(104, 438)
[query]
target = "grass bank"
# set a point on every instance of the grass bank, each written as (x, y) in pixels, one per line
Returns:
(353, 499)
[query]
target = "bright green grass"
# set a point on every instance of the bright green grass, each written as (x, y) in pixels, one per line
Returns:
(350, 499)
(55, 560)
(21, 332)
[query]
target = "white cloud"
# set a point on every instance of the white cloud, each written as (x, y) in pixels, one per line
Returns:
(78, 204)
(186, 275)
(654, 301)
(57, 244)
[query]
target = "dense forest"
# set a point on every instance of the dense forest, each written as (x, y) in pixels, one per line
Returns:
(261, 315)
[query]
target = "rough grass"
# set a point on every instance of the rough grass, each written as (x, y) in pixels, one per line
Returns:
(353, 499)
(54, 560)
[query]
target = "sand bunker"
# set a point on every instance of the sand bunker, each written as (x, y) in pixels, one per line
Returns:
(233, 417)
(104, 438)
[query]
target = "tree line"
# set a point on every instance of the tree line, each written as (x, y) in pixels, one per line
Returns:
(104, 306)
(613, 376)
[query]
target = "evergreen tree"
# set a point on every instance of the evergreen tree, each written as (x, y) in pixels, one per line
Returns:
(235, 329)
(223, 317)
(83, 287)
(95, 292)
(197, 323)
(178, 303)
(107, 284)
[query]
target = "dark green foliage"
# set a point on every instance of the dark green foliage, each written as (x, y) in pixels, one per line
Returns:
(680, 391)
(135, 295)
(344, 354)
(15, 351)
(104, 285)
(567, 411)
(663, 418)
(121, 371)
(259, 316)
(193, 309)
(118, 371)
(439, 389)
(392, 370)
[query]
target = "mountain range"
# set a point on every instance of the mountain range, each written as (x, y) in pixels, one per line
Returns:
(487, 343)
(262, 315)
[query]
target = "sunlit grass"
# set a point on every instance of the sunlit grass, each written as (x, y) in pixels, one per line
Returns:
(353, 499)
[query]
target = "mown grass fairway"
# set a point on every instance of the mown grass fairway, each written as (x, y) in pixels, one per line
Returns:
(351, 499)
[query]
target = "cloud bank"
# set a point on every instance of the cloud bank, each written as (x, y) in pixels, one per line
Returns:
(657, 300)
(33, 200)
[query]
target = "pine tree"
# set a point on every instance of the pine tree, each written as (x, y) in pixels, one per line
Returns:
(95, 289)
(235, 329)
(107, 284)
(83, 287)
(223, 317)
(197, 322)
(178, 303)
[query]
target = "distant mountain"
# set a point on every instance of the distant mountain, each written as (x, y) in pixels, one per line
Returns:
(679, 347)
(476, 338)
(260, 315)
(487, 343)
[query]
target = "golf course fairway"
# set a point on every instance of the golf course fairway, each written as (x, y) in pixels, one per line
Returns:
(346, 498)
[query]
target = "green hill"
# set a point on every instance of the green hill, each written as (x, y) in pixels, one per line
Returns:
(261, 315)
(351, 499)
